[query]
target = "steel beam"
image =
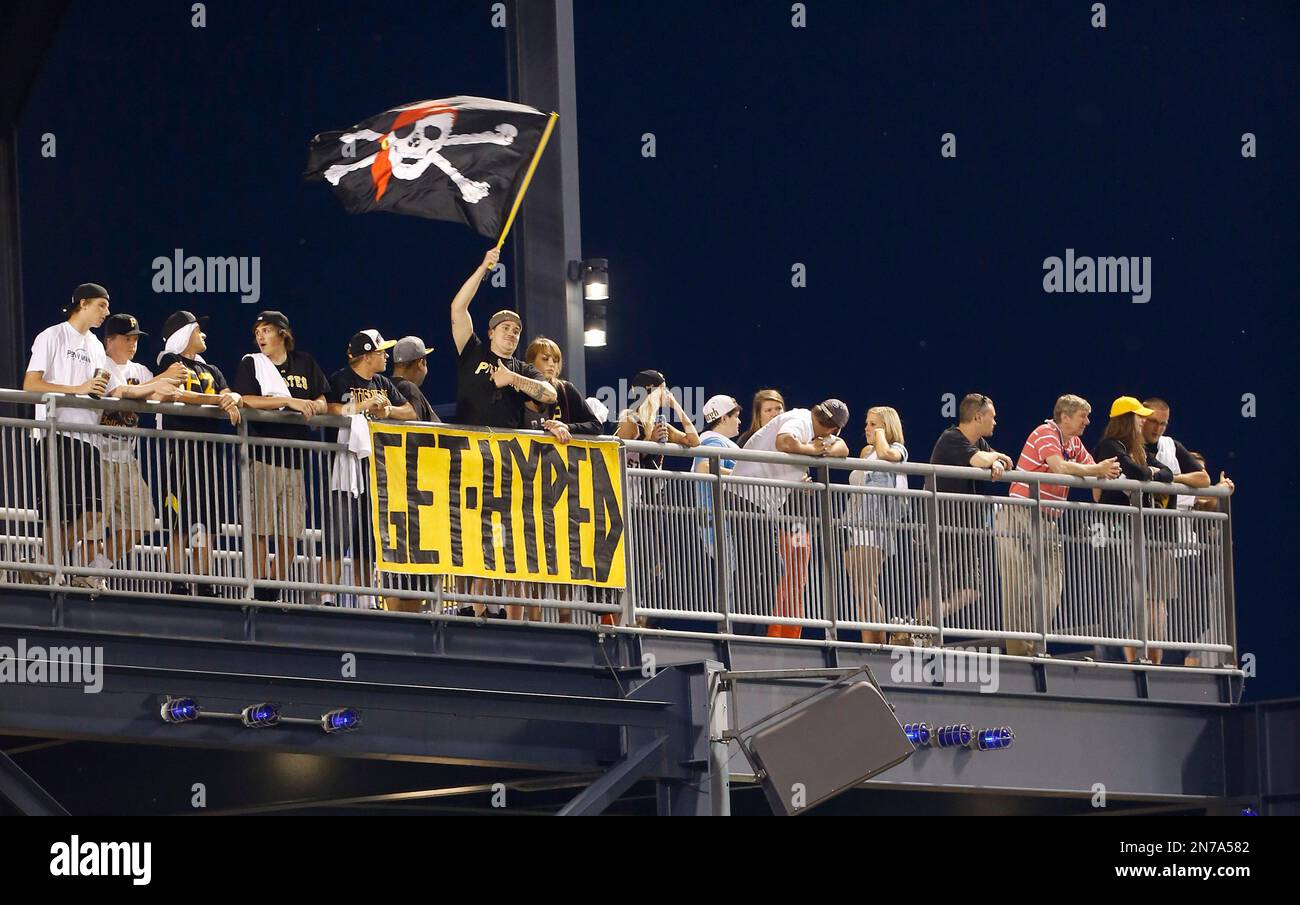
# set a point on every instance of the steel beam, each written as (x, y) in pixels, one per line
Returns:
(635, 765)
(25, 793)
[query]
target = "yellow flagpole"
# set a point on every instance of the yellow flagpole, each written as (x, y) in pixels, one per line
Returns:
(528, 177)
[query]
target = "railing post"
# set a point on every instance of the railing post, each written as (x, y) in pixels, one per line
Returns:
(1040, 562)
(829, 595)
(246, 510)
(1140, 575)
(1229, 589)
(932, 539)
(629, 572)
(53, 519)
(721, 551)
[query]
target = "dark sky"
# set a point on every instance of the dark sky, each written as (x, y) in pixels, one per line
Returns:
(775, 146)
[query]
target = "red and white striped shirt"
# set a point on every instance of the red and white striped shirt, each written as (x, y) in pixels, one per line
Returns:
(1045, 441)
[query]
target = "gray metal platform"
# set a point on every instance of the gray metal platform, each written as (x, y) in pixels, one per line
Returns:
(554, 700)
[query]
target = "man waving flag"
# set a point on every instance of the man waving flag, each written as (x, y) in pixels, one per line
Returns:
(460, 158)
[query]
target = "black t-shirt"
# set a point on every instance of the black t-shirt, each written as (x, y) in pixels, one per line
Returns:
(203, 378)
(305, 380)
(479, 402)
(423, 411)
(1130, 468)
(569, 408)
(346, 385)
(952, 448)
(1186, 465)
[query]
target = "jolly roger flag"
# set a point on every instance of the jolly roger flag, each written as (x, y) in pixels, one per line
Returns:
(460, 158)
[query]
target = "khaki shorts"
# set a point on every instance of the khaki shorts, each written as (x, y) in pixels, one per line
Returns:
(279, 500)
(127, 506)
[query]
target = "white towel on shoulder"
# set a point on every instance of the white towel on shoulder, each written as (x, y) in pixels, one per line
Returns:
(268, 375)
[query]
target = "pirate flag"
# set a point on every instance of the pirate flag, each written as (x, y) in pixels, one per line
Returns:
(461, 159)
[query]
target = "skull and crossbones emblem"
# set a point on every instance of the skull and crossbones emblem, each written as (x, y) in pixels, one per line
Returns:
(415, 143)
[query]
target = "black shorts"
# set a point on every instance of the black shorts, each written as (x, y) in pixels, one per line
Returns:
(79, 477)
(198, 477)
(348, 530)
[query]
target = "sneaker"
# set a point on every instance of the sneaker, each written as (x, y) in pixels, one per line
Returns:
(180, 589)
(206, 589)
(467, 610)
(39, 578)
(267, 595)
(90, 582)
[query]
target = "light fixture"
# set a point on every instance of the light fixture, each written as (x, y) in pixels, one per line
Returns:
(955, 736)
(593, 324)
(917, 733)
(345, 719)
(595, 279)
(259, 716)
(994, 738)
(179, 710)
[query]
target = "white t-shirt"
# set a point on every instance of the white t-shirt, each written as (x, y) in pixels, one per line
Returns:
(121, 448)
(796, 423)
(69, 358)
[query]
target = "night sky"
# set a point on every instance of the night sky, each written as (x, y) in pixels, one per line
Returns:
(775, 146)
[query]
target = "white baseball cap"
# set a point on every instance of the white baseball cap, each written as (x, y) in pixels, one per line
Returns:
(719, 407)
(598, 408)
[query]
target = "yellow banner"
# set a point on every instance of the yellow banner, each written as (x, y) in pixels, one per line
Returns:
(497, 505)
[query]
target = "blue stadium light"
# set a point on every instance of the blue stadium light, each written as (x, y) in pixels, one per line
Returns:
(345, 719)
(258, 716)
(918, 734)
(994, 738)
(958, 735)
(1249, 812)
(179, 710)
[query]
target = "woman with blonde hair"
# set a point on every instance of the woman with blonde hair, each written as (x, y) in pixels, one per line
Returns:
(768, 403)
(870, 517)
(647, 419)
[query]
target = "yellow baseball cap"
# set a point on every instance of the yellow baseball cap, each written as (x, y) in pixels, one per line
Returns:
(1125, 404)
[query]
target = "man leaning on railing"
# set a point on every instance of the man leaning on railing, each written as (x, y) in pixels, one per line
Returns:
(68, 358)
(1054, 447)
(798, 432)
(961, 566)
(194, 467)
(278, 376)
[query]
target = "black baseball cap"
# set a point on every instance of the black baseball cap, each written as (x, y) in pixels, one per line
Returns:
(86, 291)
(649, 379)
(181, 319)
(368, 341)
(274, 318)
(122, 325)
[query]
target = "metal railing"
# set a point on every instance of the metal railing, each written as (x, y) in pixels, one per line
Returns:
(921, 566)
(237, 517)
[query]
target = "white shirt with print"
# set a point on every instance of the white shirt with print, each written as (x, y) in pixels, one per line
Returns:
(69, 358)
(122, 448)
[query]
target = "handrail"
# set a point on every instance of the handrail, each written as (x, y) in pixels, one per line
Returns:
(646, 447)
(917, 468)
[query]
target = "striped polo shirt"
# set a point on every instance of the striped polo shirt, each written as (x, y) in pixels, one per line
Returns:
(1043, 442)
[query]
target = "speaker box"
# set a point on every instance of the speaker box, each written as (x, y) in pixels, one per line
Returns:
(831, 743)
